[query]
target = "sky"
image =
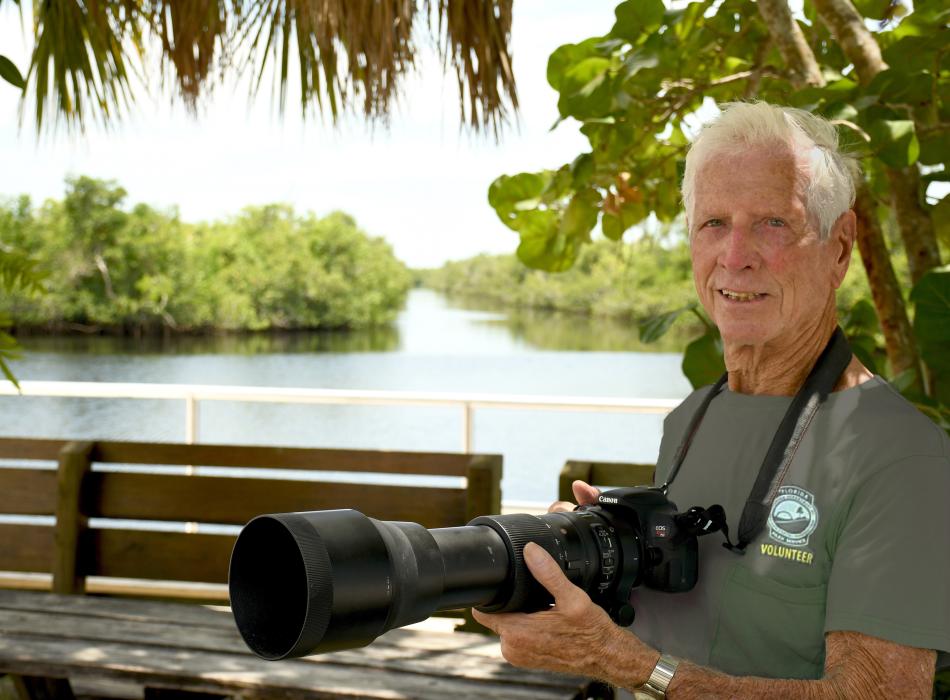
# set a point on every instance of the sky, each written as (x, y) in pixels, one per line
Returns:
(421, 184)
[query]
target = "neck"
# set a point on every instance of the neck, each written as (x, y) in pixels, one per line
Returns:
(779, 367)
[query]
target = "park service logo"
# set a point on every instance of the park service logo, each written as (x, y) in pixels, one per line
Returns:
(793, 517)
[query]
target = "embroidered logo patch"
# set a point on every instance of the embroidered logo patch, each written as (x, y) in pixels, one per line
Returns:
(794, 516)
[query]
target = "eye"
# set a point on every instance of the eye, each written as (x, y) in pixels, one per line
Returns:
(776, 222)
(712, 223)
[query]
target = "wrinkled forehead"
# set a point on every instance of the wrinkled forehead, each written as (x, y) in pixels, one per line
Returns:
(762, 175)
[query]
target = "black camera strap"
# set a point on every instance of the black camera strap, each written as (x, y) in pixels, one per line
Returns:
(818, 385)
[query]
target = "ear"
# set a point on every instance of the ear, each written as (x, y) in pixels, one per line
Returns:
(841, 241)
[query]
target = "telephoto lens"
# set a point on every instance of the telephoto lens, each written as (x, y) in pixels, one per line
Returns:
(308, 583)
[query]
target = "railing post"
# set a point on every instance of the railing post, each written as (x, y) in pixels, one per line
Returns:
(191, 426)
(191, 419)
(467, 427)
(69, 566)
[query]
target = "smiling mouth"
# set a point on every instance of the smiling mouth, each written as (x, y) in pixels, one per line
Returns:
(732, 295)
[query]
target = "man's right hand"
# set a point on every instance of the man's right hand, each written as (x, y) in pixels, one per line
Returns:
(584, 494)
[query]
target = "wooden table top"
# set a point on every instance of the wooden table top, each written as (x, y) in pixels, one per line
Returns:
(197, 648)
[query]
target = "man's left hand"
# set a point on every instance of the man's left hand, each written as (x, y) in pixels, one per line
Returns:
(574, 636)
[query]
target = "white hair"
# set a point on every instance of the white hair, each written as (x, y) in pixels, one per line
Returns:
(825, 172)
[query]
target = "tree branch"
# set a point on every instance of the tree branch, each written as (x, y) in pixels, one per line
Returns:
(857, 42)
(795, 51)
(899, 339)
(861, 48)
(886, 293)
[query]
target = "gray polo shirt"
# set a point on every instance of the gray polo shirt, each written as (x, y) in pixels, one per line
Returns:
(858, 537)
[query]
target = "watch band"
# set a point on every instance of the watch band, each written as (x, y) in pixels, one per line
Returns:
(661, 677)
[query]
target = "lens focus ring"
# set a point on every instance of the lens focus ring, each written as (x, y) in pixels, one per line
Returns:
(517, 530)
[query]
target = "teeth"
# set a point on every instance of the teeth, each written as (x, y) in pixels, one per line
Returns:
(739, 296)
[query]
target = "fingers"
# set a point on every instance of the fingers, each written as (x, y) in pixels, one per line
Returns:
(585, 494)
(486, 619)
(561, 507)
(547, 572)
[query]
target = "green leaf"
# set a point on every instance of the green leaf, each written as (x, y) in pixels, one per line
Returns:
(8, 373)
(931, 296)
(581, 214)
(895, 142)
(915, 53)
(9, 350)
(873, 9)
(20, 272)
(11, 73)
(637, 60)
(509, 195)
(940, 215)
(865, 348)
(935, 147)
(630, 214)
(560, 186)
(655, 327)
(637, 17)
(612, 226)
(586, 90)
(568, 55)
(860, 318)
(582, 169)
(543, 246)
(702, 361)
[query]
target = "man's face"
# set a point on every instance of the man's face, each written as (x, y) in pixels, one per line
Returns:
(760, 270)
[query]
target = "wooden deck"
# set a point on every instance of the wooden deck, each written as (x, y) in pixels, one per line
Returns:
(173, 646)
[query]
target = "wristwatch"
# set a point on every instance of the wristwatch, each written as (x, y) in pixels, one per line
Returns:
(655, 687)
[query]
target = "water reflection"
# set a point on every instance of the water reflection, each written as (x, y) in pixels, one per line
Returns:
(379, 339)
(554, 330)
(430, 323)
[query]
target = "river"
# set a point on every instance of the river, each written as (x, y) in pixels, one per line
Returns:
(435, 345)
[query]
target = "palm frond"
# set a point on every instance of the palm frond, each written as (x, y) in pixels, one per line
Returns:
(474, 36)
(9, 350)
(191, 33)
(79, 58)
(350, 54)
(20, 273)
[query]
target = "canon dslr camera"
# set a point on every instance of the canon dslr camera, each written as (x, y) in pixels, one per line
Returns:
(306, 583)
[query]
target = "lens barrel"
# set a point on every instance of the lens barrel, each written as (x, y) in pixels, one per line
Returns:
(307, 583)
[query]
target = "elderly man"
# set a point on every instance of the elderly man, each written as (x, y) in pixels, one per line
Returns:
(845, 592)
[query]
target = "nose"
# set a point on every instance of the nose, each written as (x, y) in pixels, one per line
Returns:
(738, 248)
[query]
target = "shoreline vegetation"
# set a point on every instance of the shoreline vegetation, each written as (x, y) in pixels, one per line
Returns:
(137, 272)
(624, 282)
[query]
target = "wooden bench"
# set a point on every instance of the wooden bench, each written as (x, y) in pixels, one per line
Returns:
(118, 552)
(602, 474)
(182, 651)
(99, 544)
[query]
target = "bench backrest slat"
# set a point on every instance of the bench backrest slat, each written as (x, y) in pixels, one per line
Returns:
(234, 501)
(27, 491)
(26, 548)
(380, 461)
(29, 448)
(161, 556)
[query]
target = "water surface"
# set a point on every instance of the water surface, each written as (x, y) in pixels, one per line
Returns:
(434, 346)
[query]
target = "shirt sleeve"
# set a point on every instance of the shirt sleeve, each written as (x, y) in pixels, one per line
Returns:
(891, 564)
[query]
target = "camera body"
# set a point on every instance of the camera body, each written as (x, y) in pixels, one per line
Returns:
(633, 536)
(670, 549)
